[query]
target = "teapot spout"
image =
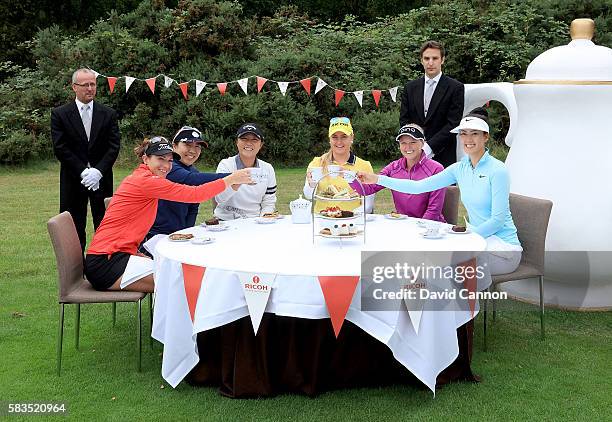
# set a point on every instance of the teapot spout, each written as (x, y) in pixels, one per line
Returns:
(476, 95)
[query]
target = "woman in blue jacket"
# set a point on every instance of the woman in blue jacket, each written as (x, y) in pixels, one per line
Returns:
(485, 190)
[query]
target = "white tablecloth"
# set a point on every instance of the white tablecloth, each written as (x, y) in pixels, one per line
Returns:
(287, 250)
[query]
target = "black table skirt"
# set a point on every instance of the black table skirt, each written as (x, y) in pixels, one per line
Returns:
(303, 356)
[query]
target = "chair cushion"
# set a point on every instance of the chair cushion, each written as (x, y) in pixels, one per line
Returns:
(85, 293)
(523, 271)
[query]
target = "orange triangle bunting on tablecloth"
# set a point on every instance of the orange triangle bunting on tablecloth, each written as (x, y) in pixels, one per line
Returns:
(338, 293)
(193, 276)
(222, 87)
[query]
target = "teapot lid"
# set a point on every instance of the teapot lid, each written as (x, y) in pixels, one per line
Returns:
(580, 60)
(299, 201)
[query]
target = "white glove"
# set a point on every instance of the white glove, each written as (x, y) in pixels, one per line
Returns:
(92, 177)
(85, 178)
(95, 187)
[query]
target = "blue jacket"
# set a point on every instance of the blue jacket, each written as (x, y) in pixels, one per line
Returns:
(173, 216)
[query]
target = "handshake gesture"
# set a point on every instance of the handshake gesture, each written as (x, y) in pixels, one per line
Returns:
(90, 178)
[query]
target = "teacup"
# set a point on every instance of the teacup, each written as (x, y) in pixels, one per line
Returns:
(334, 169)
(316, 173)
(432, 229)
(257, 175)
(349, 175)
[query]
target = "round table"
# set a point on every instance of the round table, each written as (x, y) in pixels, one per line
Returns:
(287, 251)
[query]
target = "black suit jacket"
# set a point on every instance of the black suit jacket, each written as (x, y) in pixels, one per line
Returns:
(74, 151)
(445, 112)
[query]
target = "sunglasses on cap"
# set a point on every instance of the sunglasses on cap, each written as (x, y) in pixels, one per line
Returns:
(335, 120)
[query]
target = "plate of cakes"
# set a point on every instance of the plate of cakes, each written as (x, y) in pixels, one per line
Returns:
(395, 216)
(274, 215)
(340, 231)
(180, 237)
(215, 225)
(335, 193)
(335, 213)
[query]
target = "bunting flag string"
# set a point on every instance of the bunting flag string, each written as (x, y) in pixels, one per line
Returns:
(243, 83)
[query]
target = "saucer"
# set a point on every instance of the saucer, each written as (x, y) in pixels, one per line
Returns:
(202, 240)
(264, 220)
(439, 235)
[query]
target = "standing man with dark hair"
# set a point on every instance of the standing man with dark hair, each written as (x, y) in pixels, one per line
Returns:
(434, 102)
(85, 138)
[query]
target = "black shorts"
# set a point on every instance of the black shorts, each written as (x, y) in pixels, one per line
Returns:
(102, 271)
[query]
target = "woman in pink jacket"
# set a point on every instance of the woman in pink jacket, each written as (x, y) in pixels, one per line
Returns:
(414, 165)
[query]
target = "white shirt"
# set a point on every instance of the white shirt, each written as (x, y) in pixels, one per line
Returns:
(248, 200)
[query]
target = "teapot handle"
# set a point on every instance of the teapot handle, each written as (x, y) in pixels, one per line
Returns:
(478, 94)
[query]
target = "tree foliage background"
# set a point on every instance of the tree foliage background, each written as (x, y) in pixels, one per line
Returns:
(374, 47)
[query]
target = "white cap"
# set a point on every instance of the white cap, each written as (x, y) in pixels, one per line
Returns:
(471, 122)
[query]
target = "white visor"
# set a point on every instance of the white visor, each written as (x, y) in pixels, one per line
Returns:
(471, 122)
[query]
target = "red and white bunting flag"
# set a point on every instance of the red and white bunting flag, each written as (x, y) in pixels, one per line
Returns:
(199, 87)
(222, 87)
(193, 276)
(244, 82)
(184, 86)
(111, 83)
(306, 84)
(151, 83)
(338, 292)
(128, 82)
(257, 288)
(338, 95)
(393, 92)
(260, 83)
(283, 87)
(359, 96)
(376, 95)
(320, 85)
(167, 81)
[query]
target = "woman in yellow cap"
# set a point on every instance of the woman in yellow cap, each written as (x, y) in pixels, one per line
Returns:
(340, 141)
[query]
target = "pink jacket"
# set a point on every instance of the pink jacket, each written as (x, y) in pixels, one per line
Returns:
(426, 205)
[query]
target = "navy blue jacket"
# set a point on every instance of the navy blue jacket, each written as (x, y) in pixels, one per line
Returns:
(173, 216)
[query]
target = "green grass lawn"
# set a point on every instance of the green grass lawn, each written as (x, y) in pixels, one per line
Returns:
(567, 376)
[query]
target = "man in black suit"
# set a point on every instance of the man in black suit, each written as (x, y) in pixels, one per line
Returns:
(85, 138)
(434, 102)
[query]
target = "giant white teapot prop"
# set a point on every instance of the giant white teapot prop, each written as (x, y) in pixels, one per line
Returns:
(561, 149)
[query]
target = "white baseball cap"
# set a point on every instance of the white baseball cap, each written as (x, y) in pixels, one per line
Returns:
(471, 122)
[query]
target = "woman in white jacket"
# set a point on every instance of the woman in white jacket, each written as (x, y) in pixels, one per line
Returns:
(244, 201)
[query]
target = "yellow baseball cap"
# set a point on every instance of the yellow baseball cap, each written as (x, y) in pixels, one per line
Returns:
(340, 124)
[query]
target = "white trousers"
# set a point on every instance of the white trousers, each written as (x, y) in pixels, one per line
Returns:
(502, 257)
